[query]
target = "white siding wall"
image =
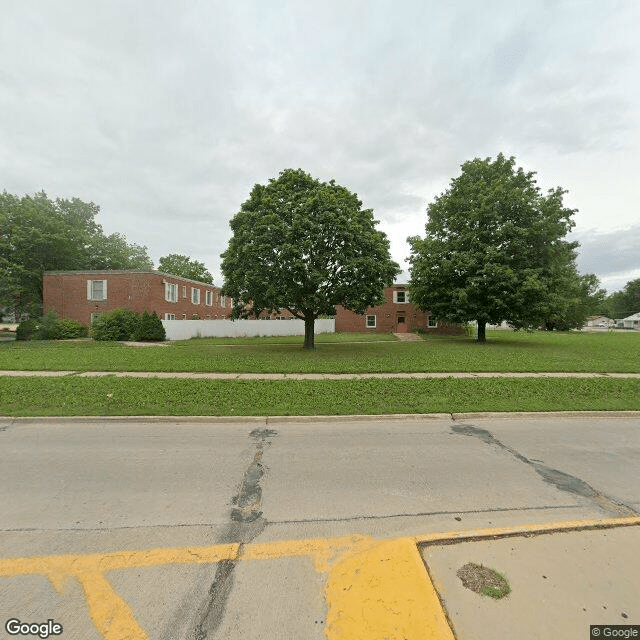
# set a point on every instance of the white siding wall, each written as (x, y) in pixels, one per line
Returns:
(185, 329)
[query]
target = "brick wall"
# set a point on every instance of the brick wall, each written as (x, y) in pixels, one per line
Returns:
(388, 317)
(65, 293)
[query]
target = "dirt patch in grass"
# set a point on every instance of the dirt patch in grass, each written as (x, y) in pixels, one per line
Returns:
(130, 343)
(484, 581)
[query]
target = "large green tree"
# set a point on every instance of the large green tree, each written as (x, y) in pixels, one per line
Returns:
(306, 246)
(494, 248)
(180, 265)
(38, 234)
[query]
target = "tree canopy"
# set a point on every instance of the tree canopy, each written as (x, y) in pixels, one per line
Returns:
(575, 298)
(38, 234)
(494, 249)
(180, 265)
(305, 246)
(625, 303)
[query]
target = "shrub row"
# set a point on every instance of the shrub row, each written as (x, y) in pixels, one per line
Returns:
(125, 324)
(119, 324)
(50, 327)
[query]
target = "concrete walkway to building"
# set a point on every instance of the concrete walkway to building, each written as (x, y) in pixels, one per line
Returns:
(313, 376)
(408, 337)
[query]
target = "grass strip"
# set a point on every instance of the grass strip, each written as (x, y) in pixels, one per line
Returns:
(111, 396)
(504, 352)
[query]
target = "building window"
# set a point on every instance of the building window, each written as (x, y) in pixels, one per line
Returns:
(170, 316)
(184, 316)
(371, 322)
(184, 291)
(170, 292)
(401, 297)
(209, 298)
(195, 295)
(96, 289)
(94, 317)
(432, 323)
(223, 301)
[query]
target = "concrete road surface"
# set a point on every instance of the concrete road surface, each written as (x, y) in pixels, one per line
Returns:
(176, 529)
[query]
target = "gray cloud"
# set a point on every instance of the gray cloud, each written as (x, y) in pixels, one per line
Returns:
(167, 115)
(614, 256)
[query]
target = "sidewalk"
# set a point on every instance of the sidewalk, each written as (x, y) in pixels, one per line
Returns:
(561, 581)
(310, 376)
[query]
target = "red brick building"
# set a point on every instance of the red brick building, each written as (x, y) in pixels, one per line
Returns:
(84, 295)
(395, 315)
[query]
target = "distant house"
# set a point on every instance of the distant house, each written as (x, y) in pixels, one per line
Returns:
(395, 315)
(599, 321)
(84, 295)
(631, 322)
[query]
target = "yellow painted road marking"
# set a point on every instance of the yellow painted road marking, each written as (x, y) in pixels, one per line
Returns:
(375, 589)
(521, 530)
(384, 592)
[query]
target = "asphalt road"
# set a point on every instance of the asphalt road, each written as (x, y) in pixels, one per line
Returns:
(175, 529)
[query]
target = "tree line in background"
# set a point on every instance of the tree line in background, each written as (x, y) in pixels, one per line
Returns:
(621, 304)
(38, 234)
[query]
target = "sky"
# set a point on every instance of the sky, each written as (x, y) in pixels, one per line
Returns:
(167, 113)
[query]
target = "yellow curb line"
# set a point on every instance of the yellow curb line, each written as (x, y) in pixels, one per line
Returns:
(533, 529)
(376, 590)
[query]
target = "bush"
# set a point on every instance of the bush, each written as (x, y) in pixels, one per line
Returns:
(151, 328)
(69, 329)
(46, 327)
(119, 324)
(26, 330)
(50, 327)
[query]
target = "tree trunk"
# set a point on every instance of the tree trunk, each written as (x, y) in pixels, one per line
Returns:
(482, 331)
(309, 335)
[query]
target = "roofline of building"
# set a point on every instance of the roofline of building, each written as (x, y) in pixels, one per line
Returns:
(126, 271)
(156, 273)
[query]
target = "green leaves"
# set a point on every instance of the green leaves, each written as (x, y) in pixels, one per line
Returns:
(306, 246)
(180, 265)
(38, 234)
(494, 247)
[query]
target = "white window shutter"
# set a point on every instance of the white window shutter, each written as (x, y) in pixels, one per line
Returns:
(104, 289)
(89, 289)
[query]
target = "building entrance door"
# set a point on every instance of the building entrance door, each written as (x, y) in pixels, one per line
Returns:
(401, 324)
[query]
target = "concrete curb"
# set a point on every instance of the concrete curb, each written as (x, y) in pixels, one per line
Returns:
(526, 415)
(270, 420)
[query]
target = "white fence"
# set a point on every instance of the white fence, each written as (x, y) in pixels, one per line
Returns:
(185, 329)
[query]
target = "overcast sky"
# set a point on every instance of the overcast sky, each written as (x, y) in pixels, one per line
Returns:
(166, 113)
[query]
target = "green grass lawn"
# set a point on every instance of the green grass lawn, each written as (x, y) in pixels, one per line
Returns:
(111, 396)
(505, 351)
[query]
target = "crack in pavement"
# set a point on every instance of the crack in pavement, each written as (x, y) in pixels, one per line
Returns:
(246, 523)
(559, 479)
(6, 426)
